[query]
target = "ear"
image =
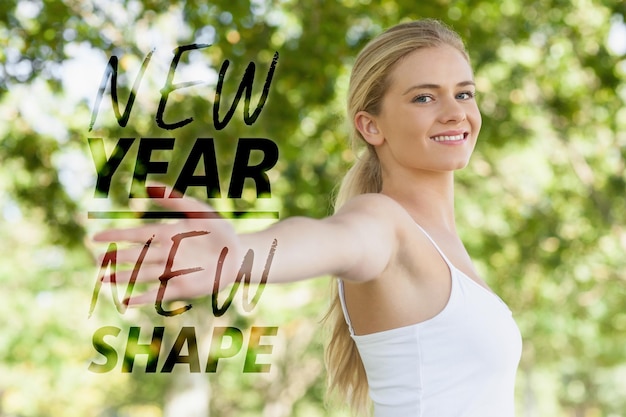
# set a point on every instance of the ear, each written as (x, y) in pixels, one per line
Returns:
(367, 125)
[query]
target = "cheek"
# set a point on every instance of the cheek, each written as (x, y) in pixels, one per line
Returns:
(476, 120)
(413, 122)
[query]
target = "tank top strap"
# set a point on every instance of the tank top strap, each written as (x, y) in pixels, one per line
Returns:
(342, 300)
(443, 255)
(340, 288)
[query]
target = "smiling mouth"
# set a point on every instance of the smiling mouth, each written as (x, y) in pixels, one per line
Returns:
(454, 138)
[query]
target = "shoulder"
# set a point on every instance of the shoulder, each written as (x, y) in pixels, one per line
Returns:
(374, 204)
(375, 209)
(377, 227)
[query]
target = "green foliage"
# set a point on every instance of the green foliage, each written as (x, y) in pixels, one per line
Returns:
(541, 206)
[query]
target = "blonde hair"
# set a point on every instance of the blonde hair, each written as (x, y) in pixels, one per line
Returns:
(369, 80)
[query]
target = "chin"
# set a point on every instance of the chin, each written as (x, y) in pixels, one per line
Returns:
(457, 165)
(462, 165)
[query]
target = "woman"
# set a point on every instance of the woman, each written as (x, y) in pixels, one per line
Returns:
(416, 327)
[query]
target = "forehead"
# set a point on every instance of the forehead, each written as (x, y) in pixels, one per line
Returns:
(442, 65)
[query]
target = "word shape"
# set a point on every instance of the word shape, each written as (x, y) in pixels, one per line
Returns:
(226, 342)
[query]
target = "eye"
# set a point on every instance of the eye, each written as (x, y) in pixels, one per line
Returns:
(422, 99)
(466, 95)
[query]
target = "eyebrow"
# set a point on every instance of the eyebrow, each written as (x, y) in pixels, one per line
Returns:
(436, 86)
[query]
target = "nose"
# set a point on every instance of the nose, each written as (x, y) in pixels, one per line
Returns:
(452, 111)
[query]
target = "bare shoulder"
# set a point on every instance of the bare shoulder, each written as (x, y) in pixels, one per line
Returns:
(378, 210)
(376, 205)
(378, 224)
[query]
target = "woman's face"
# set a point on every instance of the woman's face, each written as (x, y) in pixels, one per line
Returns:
(429, 118)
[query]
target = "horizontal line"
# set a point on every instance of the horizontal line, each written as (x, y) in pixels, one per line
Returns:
(182, 214)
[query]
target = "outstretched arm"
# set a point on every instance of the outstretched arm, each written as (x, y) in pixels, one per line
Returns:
(356, 244)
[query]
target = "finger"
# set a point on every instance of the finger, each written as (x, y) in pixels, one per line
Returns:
(147, 297)
(141, 234)
(128, 256)
(176, 201)
(154, 254)
(151, 297)
(147, 273)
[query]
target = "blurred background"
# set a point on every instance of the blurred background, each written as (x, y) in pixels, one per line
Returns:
(541, 206)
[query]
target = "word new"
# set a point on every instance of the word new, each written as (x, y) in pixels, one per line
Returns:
(245, 273)
(187, 336)
(245, 84)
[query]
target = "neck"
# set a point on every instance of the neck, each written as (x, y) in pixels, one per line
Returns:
(427, 196)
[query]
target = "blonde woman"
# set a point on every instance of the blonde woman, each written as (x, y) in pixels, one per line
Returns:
(416, 328)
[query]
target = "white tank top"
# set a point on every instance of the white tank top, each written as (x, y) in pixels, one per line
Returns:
(460, 363)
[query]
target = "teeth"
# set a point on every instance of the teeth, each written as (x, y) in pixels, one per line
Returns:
(448, 138)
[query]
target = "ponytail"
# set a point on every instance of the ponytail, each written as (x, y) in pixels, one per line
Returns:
(347, 377)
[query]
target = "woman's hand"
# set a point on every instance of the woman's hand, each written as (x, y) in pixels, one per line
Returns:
(181, 259)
